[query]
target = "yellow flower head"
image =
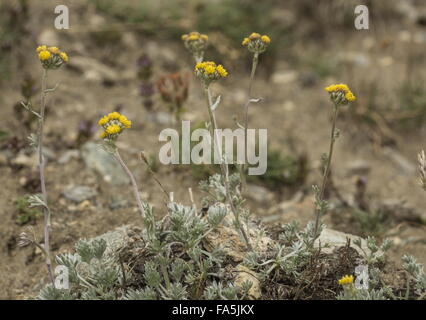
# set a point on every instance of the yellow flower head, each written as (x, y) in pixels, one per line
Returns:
(114, 115)
(256, 43)
(193, 37)
(196, 43)
(125, 122)
(254, 36)
(113, 124)
(103, 120)
(222, 71)
(41, 48)
(44, 55)
(340, 93)
(265, 39)
(346, 280)
(54, 50)
(51, 57)
(64, 56)
(113, 129)
(208, 71)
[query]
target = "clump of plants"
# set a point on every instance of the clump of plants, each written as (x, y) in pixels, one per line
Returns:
(218, 251)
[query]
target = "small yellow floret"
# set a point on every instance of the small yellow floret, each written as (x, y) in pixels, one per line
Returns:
(125, 122)
(254, 36)
(346, 280)
(245, 41)
(204, 37)
(193, 37)
(103, 135)
(53, 50)
(184, 37)
(103, 121)
(265, 39)
(113, 129)
(44, 55)
(222, 71)
(114, 115)
(64, 56)
(209, 69)
(41, 48)
(349, 96)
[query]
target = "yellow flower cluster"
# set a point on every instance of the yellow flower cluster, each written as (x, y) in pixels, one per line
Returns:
(113, 124)
(256, 43)
(196, 43)
(209, 71)
(340, 93)
(346, 280)
(51, 57)
(195, 36)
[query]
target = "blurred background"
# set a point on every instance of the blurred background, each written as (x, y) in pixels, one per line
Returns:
(128, 56)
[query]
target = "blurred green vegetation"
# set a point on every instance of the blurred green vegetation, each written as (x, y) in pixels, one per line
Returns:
(13, 18)
(412, 103)
(283, 171)
(25, 214)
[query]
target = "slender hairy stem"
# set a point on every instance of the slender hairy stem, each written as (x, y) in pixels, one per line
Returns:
(133, 180)
(224, 167)
(145, 160)
(327, 166)
(253, 71)
(246, 107)
(41, 163)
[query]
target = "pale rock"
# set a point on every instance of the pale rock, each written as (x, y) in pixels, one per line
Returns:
(358, 167)
(285, 77)
(229, 240)
(406, 167)
(332, 239)
(259, 193)
(244, 274)
(93, 70)
(26, 160)
(79, 193)
(97, 159)
(48, 37)
(386, 61)
(163, 118)
(68, 155)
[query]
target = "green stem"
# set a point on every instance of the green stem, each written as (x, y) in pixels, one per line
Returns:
(327, 166)
(46, 210)
(133, 180)
(253, 71)
(224, 167)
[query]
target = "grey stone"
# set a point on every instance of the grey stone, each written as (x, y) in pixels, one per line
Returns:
(332, 239)
(358, 167)
(115, 239)
(160, 117)
(406, 167)
(68, 155)
(93, 70)
(259, 193)
(97, 159)
(79, 193)
(118, 202)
